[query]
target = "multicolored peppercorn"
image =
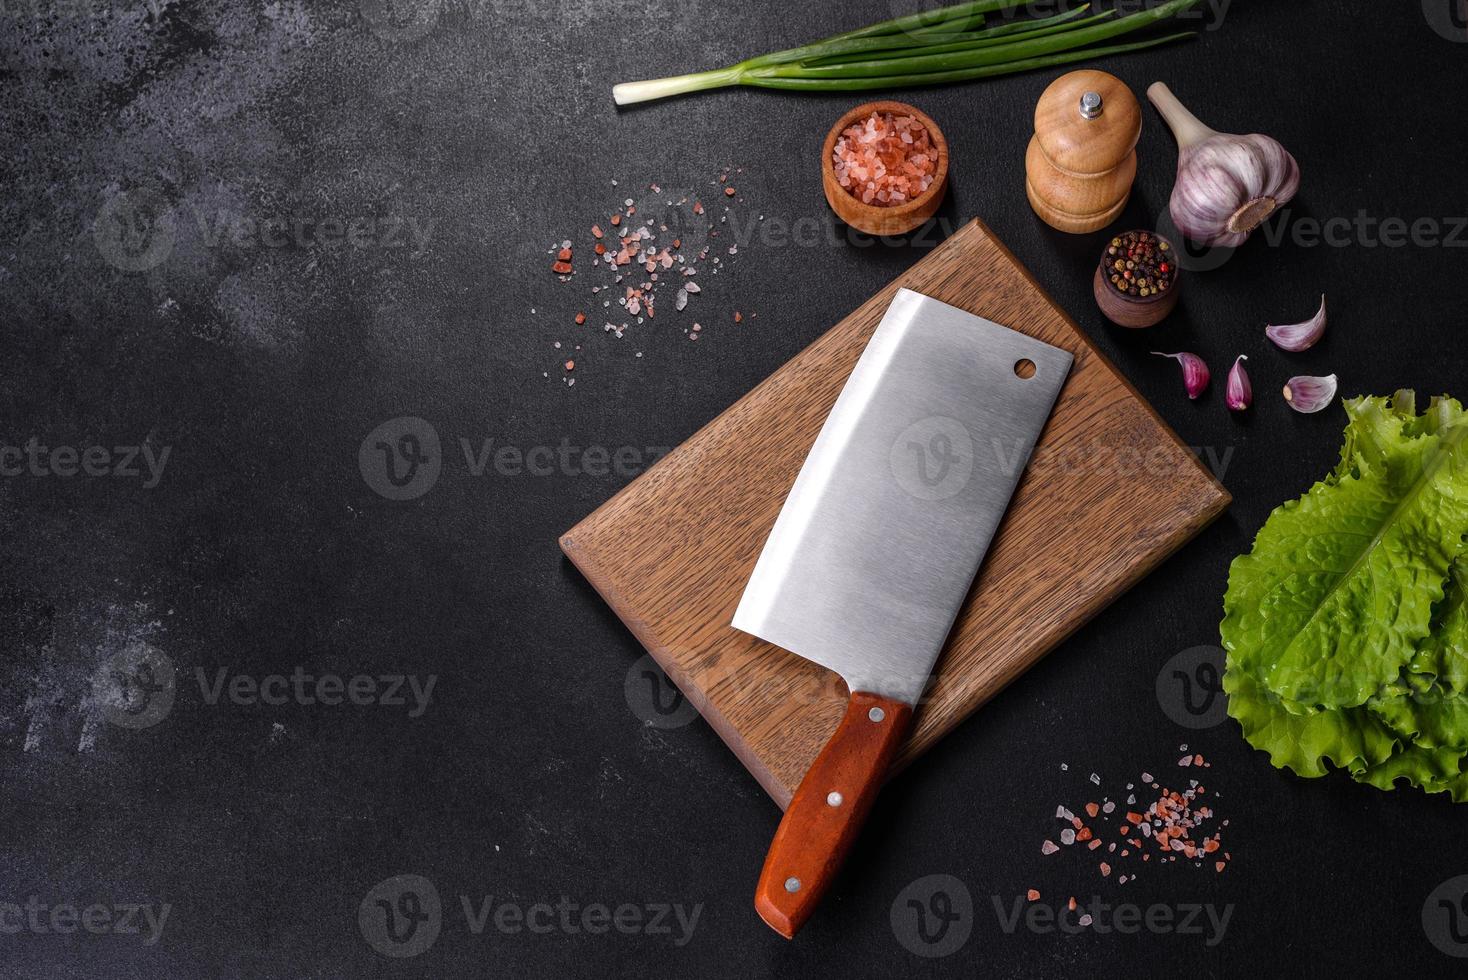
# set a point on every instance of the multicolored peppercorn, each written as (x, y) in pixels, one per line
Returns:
(1140, 264)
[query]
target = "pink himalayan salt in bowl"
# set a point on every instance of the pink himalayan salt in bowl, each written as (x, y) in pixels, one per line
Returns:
(879, 217)
(885, 160)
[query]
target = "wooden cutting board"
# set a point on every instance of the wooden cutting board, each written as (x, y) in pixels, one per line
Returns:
(1110, 492)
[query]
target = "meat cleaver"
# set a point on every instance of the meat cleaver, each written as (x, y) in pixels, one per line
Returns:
(877, 546)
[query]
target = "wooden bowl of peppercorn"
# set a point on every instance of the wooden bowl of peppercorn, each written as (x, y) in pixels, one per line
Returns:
(1137, 280)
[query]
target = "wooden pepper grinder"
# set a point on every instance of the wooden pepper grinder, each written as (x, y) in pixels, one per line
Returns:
(1082, 159)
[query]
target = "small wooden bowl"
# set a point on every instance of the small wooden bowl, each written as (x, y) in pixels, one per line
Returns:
(873, 220)
(1133, 312)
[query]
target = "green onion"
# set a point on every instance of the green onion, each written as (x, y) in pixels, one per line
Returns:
(1009, 49)
(884, 36)
(832, 50)
(922, 49)
(962, 75)
(896, 47)
(927, 18)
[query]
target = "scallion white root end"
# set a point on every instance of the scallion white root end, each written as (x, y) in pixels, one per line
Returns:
(629, 93)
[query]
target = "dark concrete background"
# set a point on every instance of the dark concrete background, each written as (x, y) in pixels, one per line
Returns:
(531, 777)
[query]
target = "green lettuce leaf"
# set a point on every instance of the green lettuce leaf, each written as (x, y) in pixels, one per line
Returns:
(1429, 704)
(1431, 770)
(1302, 740)
(1346, 626)
(1445, 654)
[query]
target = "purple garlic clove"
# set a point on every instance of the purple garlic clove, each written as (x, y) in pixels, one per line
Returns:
(1238, 393)
(1195, 371)
(1309, 394)
(1299, 336)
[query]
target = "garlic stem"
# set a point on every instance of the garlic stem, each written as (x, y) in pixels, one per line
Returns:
(1185, 126)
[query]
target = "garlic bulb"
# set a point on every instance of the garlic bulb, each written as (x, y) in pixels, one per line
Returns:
(1226, 185)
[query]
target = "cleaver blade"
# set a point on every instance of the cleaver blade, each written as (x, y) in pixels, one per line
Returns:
(877, 546)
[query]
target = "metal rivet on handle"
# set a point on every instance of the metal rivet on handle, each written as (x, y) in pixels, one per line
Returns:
(834, 798)
(792, 884)
(876, 714)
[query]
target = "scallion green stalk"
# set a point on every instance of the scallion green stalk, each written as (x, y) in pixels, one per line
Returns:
(1009, 49)
(965, 25)
(891, 44)
(895, 47)
(958, 47)
(928, 18)
(919, 49)
(959, 75)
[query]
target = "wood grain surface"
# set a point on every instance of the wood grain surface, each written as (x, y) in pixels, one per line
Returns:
(1085, 197)
(828, 810)
(1085, 147)
(1110, 492)
(1079, 171)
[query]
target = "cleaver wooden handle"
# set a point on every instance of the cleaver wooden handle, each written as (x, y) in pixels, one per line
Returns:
(828, 809)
